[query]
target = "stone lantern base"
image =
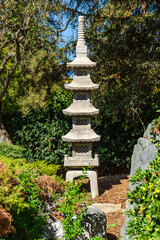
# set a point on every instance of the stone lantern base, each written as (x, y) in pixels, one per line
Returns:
(91, 174)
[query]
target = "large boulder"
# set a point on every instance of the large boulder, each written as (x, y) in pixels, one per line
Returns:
(144, 152)
(94, 224)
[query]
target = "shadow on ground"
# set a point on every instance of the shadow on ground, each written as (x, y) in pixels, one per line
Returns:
(111, 236)
(105, 183)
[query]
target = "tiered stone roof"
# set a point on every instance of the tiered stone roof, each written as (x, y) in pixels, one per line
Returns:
(81, 85)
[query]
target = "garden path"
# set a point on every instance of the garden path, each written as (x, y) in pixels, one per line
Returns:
(113, 189)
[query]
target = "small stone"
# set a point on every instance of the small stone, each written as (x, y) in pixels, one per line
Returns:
(108, 207)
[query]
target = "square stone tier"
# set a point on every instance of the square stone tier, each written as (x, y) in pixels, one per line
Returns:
(81, 60)
(81, 105)
(82, 81)
(81, 156)
(81, 131)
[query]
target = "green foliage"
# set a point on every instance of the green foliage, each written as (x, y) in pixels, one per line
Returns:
(30, 220)
(123, 39)
(19, 193)
(73, 207)
(31, 47)
(42, 166)
(11, 151)
(40, 134)
(41, 131)
(111, 226)
(144, 223)
(117, 141)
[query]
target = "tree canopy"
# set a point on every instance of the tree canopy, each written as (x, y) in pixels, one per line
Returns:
(30, 33)
(124, 38)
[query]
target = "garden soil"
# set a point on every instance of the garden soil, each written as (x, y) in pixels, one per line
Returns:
(113, 189)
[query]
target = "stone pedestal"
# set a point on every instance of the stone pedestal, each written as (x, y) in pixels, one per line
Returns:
(81, 135)
(92, 175)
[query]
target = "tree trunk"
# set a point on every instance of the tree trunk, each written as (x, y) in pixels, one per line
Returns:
(4, 136)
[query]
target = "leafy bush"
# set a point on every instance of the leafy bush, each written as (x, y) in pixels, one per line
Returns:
(42, 131)
(22, 195)
(117, 141)
(72, 210)
(42, 167)
(96, 238)
(73, 206)
(10, 150)
(144, 221)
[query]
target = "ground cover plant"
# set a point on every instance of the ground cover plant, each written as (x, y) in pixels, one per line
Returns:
(72, 210)
(25, 189)
(144, 223)
(40, 131)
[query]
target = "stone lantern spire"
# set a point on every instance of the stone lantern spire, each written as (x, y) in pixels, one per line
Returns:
(81, 135)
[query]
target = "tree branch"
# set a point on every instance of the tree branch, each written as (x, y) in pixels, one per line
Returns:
(5, 61)
(6, 81)
(136, 112)
(10, 73)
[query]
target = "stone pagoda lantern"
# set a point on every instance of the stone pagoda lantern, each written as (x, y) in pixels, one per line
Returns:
(81, 135)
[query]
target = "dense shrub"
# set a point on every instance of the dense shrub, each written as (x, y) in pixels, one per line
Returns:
(40, 132)
(23, 193)
(144, 221)
(116, 145)
(10, 150)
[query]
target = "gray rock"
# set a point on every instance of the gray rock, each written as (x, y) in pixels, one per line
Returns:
(143, 153)
(94, 224)
(52, 230)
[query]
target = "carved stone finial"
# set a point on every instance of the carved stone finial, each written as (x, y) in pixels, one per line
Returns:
(81, 37)
(81, 59)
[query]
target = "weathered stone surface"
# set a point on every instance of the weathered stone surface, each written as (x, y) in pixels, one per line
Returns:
(81, 109)
(144, 152)
(81, 134)
(80, 162)
(82, 84)
(94, 224)
(52, 230)
(108, 207)
(92, 175)
(4, 137)
(81, 59)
